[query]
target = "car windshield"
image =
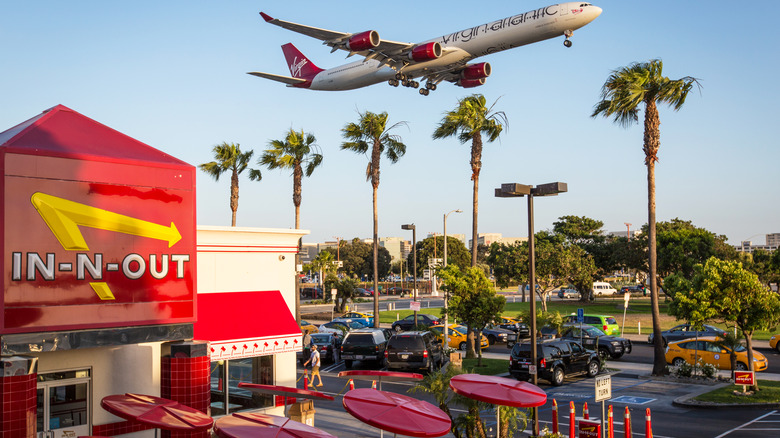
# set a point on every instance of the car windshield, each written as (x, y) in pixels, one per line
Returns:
(593, 331)
(740, 349)
(460, 329)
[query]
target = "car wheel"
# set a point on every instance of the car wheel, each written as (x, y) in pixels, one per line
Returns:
(603, 353)
(593, 368)
(777, 347)
(678, 361)
(491, 340)
(348, 363)
(557, 376)
(741, 366)
(431, 368)
(462, 346)
(397, 329)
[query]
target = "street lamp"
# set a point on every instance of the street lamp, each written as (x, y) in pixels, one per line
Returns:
(446, 294)
(414, 258)
(512, 190)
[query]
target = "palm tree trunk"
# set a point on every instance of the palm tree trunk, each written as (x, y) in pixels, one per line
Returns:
(475, 211)
(376, 261)
(234, 196)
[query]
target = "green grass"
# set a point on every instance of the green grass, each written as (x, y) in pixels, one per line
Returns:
(769, 393)
(490, 367)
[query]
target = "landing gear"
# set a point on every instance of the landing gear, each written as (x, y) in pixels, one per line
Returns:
(393, 82)
(567, 33)
(425, 91)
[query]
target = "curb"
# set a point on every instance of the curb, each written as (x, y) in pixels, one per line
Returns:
(688, 401)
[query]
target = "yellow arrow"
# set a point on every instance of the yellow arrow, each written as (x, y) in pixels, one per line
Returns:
(64, 218)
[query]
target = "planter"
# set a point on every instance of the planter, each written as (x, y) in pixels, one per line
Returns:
(456, 359)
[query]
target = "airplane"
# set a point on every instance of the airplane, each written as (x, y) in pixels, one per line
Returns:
(446, 58)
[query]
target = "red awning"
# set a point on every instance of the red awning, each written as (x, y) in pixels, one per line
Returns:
(246, 324)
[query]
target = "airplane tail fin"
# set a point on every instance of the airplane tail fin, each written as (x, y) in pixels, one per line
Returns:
(300, 66)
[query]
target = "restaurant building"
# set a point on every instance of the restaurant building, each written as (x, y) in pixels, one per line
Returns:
(109, 287)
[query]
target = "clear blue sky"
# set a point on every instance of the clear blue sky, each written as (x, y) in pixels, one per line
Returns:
(173, 75)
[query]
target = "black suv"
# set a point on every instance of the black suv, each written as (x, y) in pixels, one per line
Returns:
(423, 319)
(556, 359)
(364, 344)
(596, 340)
(414, 351)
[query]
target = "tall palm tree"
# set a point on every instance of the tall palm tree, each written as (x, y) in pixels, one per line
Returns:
(469, 121)
(622, 94)
(297, 151)
(228, 157)
(371, 133)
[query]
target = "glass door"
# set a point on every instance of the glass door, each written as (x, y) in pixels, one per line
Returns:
(63, 404)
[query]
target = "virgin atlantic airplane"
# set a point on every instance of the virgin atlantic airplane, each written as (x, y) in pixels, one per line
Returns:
(446, 58)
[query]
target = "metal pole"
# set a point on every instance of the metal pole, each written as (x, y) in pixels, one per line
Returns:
(532, 286)
(446, 315)
(414, 258)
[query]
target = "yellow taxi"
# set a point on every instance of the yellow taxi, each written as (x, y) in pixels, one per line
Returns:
(307, 327)
(706, 349)
(458, 336)
(774, 342)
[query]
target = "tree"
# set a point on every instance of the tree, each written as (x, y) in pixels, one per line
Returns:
(731, 342)
(469, 121)
(228, 157)
(324, 264)
(622, 94)
(578, 229)
(473, 300)
(433, 247)
(357, 258)
(371, 133)
(297, 152)
(725, 291)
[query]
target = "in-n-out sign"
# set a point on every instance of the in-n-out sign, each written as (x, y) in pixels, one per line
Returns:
(747, 378)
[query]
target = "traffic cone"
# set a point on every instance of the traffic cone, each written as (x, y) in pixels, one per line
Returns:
(351, 384)
(305, 379)
(585, 414)
(555, 416)
(648, 425)
(373, 384)
(572, 417)
(627, 421)
(611, 423)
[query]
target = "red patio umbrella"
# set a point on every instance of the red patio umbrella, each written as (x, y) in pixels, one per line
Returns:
(256, 425)
(396, 413)
(498, 391)
(158, 412)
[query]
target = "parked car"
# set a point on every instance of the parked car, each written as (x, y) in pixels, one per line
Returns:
(515, 325)
(685, 331)
(689, 350)
(340, 326)
(407, 323)
(312, 293)
(556, 359)
(494, 334)
(603, 288)
(367, 319)
(568, 293)
(634, 289)
(360, 292)
(395, 290)
(328, 345)
(457, 336)
(594, 339)
(774, 342)
(607, 324)
(307, 327)
(414, 351)
(364, 344)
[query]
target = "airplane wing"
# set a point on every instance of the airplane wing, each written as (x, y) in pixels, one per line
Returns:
(284, 79)
(386, 52)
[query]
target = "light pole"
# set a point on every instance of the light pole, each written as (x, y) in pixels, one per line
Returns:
(512, 190)
(414, 265)
(446, 294)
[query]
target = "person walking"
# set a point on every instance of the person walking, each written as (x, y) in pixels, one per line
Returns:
(315, 365)
(307, 342)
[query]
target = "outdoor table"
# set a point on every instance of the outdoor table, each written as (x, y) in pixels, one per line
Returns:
(396, 413)
(498, 391)
(257, 425)
(284, 391)
(158, 412)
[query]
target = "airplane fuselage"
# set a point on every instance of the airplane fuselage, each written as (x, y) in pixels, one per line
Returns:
(461, 47)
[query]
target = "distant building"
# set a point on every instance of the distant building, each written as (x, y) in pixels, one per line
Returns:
(395, 246)
(634, 234)
(489, 238)
(772, 243)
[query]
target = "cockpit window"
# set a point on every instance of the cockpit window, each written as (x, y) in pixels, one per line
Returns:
(585, 4)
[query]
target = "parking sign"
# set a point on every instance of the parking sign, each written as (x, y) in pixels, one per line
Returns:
(580, 315)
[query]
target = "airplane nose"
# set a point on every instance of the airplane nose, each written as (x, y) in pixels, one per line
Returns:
(596, 11)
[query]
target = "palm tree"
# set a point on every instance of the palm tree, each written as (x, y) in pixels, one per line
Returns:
(296, 151)
(621, 96)
(371, 133)
(731, 342)
(228, 157)
(469, 121)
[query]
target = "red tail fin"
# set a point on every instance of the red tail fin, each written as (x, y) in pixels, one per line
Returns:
(300, 66)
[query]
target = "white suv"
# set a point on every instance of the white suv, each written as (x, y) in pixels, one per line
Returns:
(603, 288)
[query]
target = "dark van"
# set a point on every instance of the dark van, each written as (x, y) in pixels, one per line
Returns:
(364, 344)
(414, 351)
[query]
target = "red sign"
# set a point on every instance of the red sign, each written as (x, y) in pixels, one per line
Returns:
(589, 429)
(99, 229)
(744, 378)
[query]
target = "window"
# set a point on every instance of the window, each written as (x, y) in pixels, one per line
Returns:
(251, 370)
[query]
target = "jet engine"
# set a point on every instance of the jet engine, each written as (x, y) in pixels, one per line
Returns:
(363, 41)
(476, 71)
(470, 83)
(425, 52)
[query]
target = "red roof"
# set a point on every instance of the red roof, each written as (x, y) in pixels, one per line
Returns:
(62, 132)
